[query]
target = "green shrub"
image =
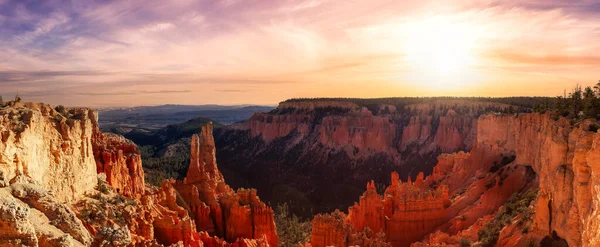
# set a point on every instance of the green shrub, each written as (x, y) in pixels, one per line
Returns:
(463, 242)
(490, 183)
(61, 109)
(103, 187)
(291, 229)
(517, 204)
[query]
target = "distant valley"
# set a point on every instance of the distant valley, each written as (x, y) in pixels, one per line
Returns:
(156, 117)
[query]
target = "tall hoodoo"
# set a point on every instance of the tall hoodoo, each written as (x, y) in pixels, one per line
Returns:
(203, 160)
(215, 207)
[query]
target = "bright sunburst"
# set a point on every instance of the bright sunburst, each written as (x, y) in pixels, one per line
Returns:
(441, 52)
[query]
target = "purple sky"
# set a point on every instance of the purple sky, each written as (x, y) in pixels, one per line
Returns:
(126, 53)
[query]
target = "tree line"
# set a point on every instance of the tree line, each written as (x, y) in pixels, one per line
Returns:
(579, 103)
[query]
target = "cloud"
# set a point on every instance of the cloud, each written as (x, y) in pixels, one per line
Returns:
(28, 76)
(232, 90)
(135, 93)
(275, 49)
(555, 60)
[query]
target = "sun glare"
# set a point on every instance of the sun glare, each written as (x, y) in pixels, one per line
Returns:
(440, 52)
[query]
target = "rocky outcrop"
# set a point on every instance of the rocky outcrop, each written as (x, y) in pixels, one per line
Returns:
(172, 224)
(203, 161)
(343, 124)
(15, 226)
(333, 230)
(52, 148)
(215, 207)
(329, 230)
(565, 158)
(119, 159)
(60, 215)
(31, 216)
(63, 183)
(405, 213)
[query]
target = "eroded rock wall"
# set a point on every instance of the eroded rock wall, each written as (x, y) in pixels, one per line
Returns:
(52, 149)
(120, 160)
(565, 157)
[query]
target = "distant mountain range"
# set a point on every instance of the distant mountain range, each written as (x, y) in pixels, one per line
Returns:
(156, 117)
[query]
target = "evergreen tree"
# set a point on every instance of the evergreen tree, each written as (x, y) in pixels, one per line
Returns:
(597, 88)
(576, 101)
(590, 103)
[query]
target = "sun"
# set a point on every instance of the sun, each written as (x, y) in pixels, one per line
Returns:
(440, 51)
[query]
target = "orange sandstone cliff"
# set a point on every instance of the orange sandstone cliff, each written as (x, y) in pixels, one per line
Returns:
(472, 195)
(119, 159)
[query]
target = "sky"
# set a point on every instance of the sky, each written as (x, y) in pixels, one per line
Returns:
(147, 52)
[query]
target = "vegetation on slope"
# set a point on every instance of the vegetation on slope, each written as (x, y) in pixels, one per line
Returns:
(291, 229)
(518, 204)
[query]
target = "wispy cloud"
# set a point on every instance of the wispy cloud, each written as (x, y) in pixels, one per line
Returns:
(232, 90)
(274, 50)
(136, 93)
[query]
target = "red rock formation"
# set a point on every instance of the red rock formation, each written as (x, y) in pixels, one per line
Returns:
(483, 180)
(119, 159)
(215, 207)
(563, 157)
(329, 230)
(203, 161)
(360, 128)
(171, 223)
(333, 230)
(405, 213)
(453, 132)
(191, 211)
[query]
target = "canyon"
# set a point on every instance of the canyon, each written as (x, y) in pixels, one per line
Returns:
(498, 178)
(308, 150)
